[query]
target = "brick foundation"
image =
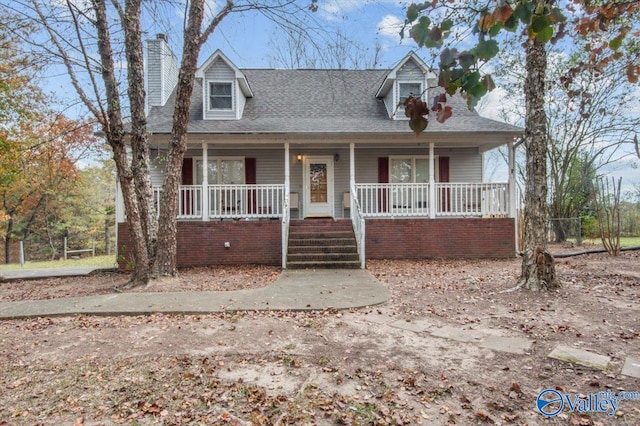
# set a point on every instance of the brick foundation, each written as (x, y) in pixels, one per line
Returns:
(440, 238)
(259, 242)
(202, 243)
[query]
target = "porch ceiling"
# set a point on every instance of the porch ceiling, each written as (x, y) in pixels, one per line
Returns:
(480, 140)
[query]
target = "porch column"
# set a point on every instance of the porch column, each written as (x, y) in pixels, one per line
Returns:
(513, 208)
(352, 166)
(432, 182)
(287, 172)
(205, 181)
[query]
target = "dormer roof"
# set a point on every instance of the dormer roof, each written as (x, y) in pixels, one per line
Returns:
(391, 77)
(240, 77)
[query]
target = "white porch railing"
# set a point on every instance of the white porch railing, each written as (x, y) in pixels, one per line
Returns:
(452, 199)
(228, 201)
(393, 199)
(472, 199)
(246, 201)
(358, 226)
(189, 201)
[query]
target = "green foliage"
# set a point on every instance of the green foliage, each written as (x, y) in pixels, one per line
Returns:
(589, 226)
(543, 21)
(44, 196)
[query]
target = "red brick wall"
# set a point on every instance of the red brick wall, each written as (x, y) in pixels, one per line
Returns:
(440, 238)
(202, 243)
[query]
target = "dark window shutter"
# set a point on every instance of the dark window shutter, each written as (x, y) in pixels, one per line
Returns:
(383, 177)
(383, 169)
(250, 178)
(443, 165)
(187, 171)
(187, 179)
(443, 176)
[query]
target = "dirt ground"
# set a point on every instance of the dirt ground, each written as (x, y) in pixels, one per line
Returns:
(349, 367)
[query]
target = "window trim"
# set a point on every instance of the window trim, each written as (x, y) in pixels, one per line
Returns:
(209, 95)
(399, 115)
(219, 168)
(420, 82)
(413, 158)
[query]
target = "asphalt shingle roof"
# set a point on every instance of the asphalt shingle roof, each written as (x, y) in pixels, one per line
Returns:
(317, 101)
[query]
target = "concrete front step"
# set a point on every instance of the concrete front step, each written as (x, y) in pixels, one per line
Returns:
(323, 257)
(300, 249)
(307, 242)
(324, 265)
(322, 236)
(322, 243)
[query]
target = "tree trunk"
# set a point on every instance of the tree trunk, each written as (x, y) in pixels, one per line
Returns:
(538, 266)
(114, 129)
(167, 227)
(140, 167)
(142, 270)
(7, 240)
(194, 37)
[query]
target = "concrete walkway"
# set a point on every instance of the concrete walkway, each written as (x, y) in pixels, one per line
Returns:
(40, 273)
(293, 291)
(301, 290)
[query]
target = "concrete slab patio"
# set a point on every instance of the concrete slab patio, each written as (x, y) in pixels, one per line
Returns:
(293, 291)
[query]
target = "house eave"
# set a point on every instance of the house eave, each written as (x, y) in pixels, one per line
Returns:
(481, 141)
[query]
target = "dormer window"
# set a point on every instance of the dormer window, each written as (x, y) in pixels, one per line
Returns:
(409, 89)
(220, 96)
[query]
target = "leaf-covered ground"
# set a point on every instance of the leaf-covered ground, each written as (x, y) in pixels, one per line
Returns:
(350, 367)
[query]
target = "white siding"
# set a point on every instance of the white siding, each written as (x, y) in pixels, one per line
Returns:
(389, 104)
(161, 72)
(465, 165)
(409, 72)
(170, 72)
(219, 71)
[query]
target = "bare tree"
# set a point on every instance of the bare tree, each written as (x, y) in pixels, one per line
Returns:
(606, 198)
(588, 122)
(299, 48)
(90, 39)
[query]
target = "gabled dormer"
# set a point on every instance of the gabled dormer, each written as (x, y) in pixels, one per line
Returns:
(225, 88)
(409, 77)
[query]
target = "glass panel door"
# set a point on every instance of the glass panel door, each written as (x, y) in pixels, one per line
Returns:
(318, 182)
(318, 197)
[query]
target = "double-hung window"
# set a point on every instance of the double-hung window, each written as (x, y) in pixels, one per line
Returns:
(221, 171)
(413, 171)
(409, 89)
(224, 200)
(220, 96)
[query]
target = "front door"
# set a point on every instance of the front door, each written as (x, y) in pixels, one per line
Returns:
(318, 187)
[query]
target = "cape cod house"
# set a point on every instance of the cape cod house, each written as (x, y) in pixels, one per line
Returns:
(319, 168)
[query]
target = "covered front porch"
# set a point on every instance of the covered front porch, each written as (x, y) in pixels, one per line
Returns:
(360, 181)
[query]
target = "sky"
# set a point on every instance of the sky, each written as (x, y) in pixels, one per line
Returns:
(250, 40)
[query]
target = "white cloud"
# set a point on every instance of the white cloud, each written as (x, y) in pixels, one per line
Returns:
(390, 26)
(336, 9)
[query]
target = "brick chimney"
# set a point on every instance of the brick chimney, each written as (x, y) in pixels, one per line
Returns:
(162, 71)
